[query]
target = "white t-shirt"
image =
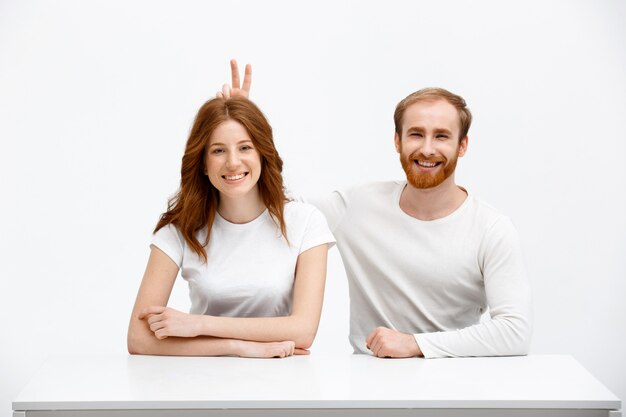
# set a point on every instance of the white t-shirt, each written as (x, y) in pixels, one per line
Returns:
(251, 268)
(431, 278)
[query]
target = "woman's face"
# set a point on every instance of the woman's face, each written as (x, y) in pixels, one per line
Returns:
(232, 163)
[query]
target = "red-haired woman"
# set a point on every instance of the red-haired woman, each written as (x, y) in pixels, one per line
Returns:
(255, 263)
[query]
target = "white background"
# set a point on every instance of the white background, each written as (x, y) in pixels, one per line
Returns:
(96, 100)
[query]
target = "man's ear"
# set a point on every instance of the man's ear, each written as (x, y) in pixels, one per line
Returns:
(396, 139)
(463, 146)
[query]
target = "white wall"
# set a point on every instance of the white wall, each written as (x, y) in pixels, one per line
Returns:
(96, 99)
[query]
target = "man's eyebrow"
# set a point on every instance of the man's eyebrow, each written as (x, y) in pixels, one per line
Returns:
(415, 129)
(442, 130)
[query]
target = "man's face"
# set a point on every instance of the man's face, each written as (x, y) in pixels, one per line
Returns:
(429, 146)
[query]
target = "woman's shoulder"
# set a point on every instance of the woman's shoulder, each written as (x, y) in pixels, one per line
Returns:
(168, 230)
(307, 226)
(172, 233)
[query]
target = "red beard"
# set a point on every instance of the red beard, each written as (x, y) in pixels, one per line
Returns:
(425, 179)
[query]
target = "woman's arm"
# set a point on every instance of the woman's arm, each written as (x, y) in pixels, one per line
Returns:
(300, 326)
(155, 290)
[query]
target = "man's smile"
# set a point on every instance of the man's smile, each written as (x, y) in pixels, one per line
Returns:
(427, 164)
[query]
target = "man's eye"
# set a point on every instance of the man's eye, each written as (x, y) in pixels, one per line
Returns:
(442, 137)
(415, 134)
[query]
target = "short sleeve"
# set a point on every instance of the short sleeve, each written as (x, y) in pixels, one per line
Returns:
(171, 242)
(316, 232)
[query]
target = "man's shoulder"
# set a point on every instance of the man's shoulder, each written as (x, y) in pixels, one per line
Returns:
(298, 209)
(379, 188)
(486, 214)
(485, 207)
(298, 212)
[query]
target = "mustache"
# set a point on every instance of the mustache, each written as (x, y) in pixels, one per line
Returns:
(419, 155)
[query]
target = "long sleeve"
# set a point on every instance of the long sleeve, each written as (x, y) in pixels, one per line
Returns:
(333, 206)
(508, 331)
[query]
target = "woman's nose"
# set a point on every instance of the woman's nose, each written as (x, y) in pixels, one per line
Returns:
(232, 160)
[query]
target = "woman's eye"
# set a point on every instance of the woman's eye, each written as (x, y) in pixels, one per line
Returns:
(218, 151)
(246, 148)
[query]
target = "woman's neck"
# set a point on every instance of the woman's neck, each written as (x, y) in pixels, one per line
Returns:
(241, 209)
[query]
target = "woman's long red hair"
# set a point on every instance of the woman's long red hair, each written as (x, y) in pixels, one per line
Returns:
(194, 205)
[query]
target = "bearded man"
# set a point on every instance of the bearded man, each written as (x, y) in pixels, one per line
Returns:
(424, 258)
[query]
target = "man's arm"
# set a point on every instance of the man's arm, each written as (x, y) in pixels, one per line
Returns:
(509, 330)
(333, 206)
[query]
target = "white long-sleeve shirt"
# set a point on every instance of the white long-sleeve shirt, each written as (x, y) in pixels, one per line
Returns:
(433, 279)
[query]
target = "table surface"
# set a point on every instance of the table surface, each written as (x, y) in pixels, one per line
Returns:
(347, 381)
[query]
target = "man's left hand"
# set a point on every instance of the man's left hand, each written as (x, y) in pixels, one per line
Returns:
(388, 343)
(235, 90)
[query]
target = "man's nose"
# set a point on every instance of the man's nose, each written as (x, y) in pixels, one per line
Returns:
(427, 147)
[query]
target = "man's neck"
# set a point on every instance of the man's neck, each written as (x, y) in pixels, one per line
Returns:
(432, 203)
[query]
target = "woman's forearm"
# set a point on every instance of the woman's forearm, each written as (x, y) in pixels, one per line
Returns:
(301, 330)
(148, 344)
(143, 342)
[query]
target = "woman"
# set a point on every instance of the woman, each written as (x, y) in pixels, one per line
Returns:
(255, 263)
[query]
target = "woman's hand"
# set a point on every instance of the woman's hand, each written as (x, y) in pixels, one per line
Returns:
(235, 90)
(165, 321)
(248, 349)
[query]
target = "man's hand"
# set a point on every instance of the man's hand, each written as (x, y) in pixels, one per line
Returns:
(165, 321)
(235, 90)
(387, 343)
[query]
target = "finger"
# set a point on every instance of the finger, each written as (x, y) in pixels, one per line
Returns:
(157, 326)
(219, 94)
(160, 334)
(370, 337)
(151, 310)
(234, 72)
(382, 348)
(384, 353)
(155, 318)
(226, 91)
(298, 351)
(374, 350)
(247, 78)
(376, 345)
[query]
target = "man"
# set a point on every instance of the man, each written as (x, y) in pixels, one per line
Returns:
(424, 258)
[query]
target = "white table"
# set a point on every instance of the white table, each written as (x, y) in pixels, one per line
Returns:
(347, 385)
